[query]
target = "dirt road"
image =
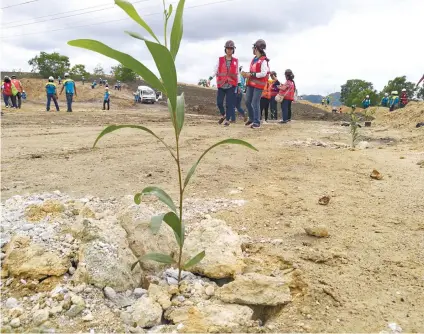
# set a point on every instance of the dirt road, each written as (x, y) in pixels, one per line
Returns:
(368, 273)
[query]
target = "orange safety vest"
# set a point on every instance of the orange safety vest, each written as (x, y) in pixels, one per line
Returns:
(258, 83)
(225, 74)
(17, 84)
(266, 93)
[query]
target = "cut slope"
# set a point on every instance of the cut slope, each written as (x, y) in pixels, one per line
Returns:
(406, 117)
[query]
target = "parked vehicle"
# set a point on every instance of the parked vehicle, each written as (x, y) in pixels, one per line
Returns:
(147, 95)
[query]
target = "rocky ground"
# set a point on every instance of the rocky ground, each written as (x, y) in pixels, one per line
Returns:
(298, 236)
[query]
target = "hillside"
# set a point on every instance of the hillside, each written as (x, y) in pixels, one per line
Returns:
(335, 98)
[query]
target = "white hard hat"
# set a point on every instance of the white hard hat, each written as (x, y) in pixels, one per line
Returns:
(51, 78)
(404, 90)
(386, 94)
(107, 88)
(395, 92)
(66, 74)
(368, 96)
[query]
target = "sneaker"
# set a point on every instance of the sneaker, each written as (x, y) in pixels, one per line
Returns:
(255, 126)
(282, 122)
(265, 122)
(248, 123)
(7, 106)
(222, 119)
(227, 123)
(232, 121)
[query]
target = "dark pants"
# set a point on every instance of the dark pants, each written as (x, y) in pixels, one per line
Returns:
(264, 107)
(19, 98)
(286, 108)
(273, 106)
(229, 95)
(239, 98)
(108, 104)
(6, 99)
(13, 99)
(51, 97)
(69, 98)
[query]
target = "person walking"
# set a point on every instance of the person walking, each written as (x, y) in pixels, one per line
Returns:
(226, 72)
(257, 78)
(20, 89)
(70, 90)
(83, 80)
(59, 80)
(106, 99)
(274, 92)
(239, 97)
(288, 90)
(9, 93)
(51, 94)
(265, 100)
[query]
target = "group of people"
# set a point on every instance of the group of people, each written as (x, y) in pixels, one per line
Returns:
(394, 101)
(13, 92)
(262, 88)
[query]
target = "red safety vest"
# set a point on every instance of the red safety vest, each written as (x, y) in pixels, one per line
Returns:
(258, 83)
(17, 84)
(7, 88)
(266, 93)
(225, 74)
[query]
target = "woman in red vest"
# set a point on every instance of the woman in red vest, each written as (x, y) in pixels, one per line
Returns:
(288, 90)
(257, 78)
(20, 89)
(226, 72)
(8, 92)
(265, 100)
(274, 93)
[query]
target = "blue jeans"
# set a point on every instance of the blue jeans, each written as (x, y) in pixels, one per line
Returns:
(286, 108)
(229, 95)
(253, 104)
(239, 97)
(51, 97)
(69, 97)
(6, 99)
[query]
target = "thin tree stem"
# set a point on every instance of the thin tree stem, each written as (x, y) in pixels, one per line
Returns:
(165, 14)
(181, 208)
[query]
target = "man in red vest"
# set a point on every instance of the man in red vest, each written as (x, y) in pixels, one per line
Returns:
(20, 89)
(226, 72)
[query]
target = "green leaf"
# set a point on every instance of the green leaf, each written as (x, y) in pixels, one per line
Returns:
(194, 260)
(177, 29)
(170, 8)
(159, 193)
(135, 35)
(174, 222)
(131, 12)
(166, 66)
(180, 112)
(156, 222)
(134, 264)
(112, 128)
(123, 58)
(158, 257)
(226, 141)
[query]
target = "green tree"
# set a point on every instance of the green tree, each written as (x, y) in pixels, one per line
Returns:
(355, 90)
(98, 70)
(78, 71)
(398, 84)
(123, 73)
(50, 64)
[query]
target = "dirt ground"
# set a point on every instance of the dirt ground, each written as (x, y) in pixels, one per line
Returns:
(368, 273)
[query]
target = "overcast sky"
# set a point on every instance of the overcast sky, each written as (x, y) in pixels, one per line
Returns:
(324, 42)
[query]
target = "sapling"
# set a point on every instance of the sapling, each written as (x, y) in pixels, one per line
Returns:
(164, 57)
(354, 128)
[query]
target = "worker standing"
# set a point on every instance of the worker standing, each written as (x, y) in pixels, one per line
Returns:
(385, 100)
(366, 102)
(83, 80)
(59, 79)
(403, 98)
(20, 89)
(265, 100)
(226, 72)
(287, 90)
(106, 99)
(394, 101)
(274, 92)
(257, 78)
(51, 94)
(70, 90)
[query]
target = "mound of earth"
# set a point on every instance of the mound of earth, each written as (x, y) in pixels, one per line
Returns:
(408, 117)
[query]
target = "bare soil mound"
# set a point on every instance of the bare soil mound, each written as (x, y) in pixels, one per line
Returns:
(406, 117)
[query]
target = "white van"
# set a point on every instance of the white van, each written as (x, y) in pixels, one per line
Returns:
(147, 95)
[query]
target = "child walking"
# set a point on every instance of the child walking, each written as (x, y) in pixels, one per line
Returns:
(106, 99)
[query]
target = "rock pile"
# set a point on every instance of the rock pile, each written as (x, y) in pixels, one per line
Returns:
(67, 265)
